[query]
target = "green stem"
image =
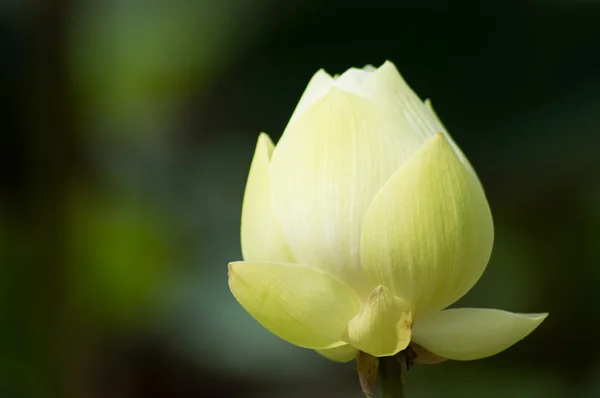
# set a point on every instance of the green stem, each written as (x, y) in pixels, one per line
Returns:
(390, 372)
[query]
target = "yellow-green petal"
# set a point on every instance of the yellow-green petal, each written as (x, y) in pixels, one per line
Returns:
(428, 233)
(317, 87)
(472, 333)
(343, 353)
(326, 169)
(262, 239)
(302, 305)
(383, 325)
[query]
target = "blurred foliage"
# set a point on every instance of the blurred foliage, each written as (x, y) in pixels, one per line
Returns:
(128, 132)
(121, 256)
(133, 58)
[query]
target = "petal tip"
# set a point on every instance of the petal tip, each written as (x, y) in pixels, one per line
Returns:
(369, 68)
(388, 64)
(230, 269)
(264, 142)
(390, 70)
(322, 72)
(437, 142)
(541, 316)
(264, 137)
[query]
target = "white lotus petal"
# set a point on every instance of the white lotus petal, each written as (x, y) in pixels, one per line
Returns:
(325, 171)
(387, 88)
(353, 78)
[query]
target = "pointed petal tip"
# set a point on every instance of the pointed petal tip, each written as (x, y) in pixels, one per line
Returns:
(323, 72)
(539, 317)
(231, 268)
(264, 138)
(536, 318)
(321, 76)
(440, 140)
(318, 85)
(264, 142)
(439, 136)
(369, 68)
(390, 69)
(388, 64)
(429, 106)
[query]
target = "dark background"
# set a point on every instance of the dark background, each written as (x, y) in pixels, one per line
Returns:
(127, 132)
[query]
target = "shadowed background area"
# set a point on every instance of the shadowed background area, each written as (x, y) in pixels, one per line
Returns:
(127, 133)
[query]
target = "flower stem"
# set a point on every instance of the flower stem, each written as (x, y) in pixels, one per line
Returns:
(390, 372)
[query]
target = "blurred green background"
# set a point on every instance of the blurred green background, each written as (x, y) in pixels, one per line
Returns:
(127, 133)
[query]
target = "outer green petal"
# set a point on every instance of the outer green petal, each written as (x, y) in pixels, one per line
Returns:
(262, 239)
(343, 353)
(382, 327)
(469, 333)
(302, 305)
(319, 85)
(325, 171)
(428, 233)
